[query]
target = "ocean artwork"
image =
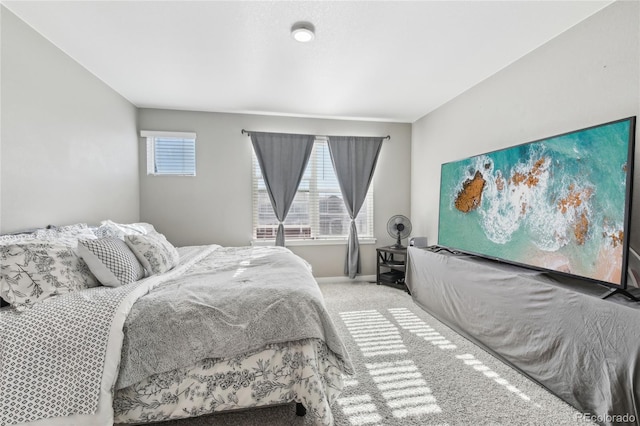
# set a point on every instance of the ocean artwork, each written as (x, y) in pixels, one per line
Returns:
(559, 203)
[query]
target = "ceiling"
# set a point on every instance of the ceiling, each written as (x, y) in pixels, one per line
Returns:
(370, 60)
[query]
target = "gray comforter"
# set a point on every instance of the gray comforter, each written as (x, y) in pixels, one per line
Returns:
(233, 302)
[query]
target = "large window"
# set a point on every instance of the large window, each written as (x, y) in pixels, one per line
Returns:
(170, 153)
(318, 211)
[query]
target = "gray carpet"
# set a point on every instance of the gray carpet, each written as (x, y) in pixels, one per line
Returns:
(413, 370)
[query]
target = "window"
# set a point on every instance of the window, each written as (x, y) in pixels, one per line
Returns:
(318, 211)
(170, 153)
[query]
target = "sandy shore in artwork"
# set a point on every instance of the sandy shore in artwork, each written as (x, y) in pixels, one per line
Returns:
(609, 264)
(554, 261)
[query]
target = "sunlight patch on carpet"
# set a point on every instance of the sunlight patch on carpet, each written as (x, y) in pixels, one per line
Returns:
(477, 365)
(360, 409)
(403, 388)
(412, 323)
(401, 385)
(374, 334)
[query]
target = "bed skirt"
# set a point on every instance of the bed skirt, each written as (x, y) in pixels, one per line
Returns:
(305, 372)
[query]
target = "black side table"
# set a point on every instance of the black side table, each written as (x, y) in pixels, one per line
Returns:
(391, 266)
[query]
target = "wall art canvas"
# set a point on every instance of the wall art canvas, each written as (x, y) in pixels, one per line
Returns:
(560, 204)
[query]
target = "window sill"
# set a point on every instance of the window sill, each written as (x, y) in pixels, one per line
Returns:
(310, 242)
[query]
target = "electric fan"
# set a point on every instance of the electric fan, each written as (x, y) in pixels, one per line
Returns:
(399, 227)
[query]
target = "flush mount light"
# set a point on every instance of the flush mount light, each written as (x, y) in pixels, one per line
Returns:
(303, 32)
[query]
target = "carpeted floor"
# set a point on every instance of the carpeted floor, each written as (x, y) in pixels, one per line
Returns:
(412, 370)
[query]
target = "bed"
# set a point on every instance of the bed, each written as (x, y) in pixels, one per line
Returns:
(206, 329)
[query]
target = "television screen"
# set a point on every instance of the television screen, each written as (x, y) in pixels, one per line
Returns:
(560, 204)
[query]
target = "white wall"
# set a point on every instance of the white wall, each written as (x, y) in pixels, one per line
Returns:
(216, 206)
(586, 76)
(68, 141)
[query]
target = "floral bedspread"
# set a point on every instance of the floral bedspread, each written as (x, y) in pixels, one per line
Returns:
(303, 371)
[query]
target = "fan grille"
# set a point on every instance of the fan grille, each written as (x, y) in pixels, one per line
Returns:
(399, 227)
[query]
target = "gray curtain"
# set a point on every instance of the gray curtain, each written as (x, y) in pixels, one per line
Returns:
(282, 158)
(354, 160)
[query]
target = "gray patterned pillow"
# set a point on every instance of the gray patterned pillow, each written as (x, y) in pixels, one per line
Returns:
(32, 272)
(111, 261)
(156, 254)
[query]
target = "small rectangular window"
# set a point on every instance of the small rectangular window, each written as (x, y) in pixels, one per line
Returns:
(170, 153)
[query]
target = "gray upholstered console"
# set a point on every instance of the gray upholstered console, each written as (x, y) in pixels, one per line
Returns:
(561, 334)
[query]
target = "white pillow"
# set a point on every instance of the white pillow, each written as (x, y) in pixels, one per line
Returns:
(122, 229)
(156, 254)
(76, 228)
(104, 231)
(32, 272)
(17, 238)
(67, 235)
(111, 261)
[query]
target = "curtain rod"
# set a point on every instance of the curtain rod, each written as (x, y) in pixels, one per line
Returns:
(248, 133)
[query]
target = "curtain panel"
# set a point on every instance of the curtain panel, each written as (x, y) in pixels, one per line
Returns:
(354, 160)
(283, 158)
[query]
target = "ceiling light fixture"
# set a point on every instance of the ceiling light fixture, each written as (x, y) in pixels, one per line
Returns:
(303, 32)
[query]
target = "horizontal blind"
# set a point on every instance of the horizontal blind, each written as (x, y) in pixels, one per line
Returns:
(175, 156)
(318, 210)
(171, 156)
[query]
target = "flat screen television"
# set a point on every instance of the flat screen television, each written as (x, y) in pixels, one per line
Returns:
(559, 204)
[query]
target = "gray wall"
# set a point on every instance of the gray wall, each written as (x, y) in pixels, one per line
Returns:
(586, 76)
(216, 206)
(68, 141)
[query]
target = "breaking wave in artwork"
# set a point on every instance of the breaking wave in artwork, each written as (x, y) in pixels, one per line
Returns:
(552, 213)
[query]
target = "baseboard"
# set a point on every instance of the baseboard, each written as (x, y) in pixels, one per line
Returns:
(358, 278)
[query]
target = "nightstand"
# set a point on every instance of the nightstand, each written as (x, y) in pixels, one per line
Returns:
(390, 268)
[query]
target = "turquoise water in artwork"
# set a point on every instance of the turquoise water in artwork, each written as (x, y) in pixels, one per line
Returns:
(558, 203)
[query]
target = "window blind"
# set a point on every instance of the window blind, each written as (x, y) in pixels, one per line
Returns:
(175, 156)
(171, 153)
